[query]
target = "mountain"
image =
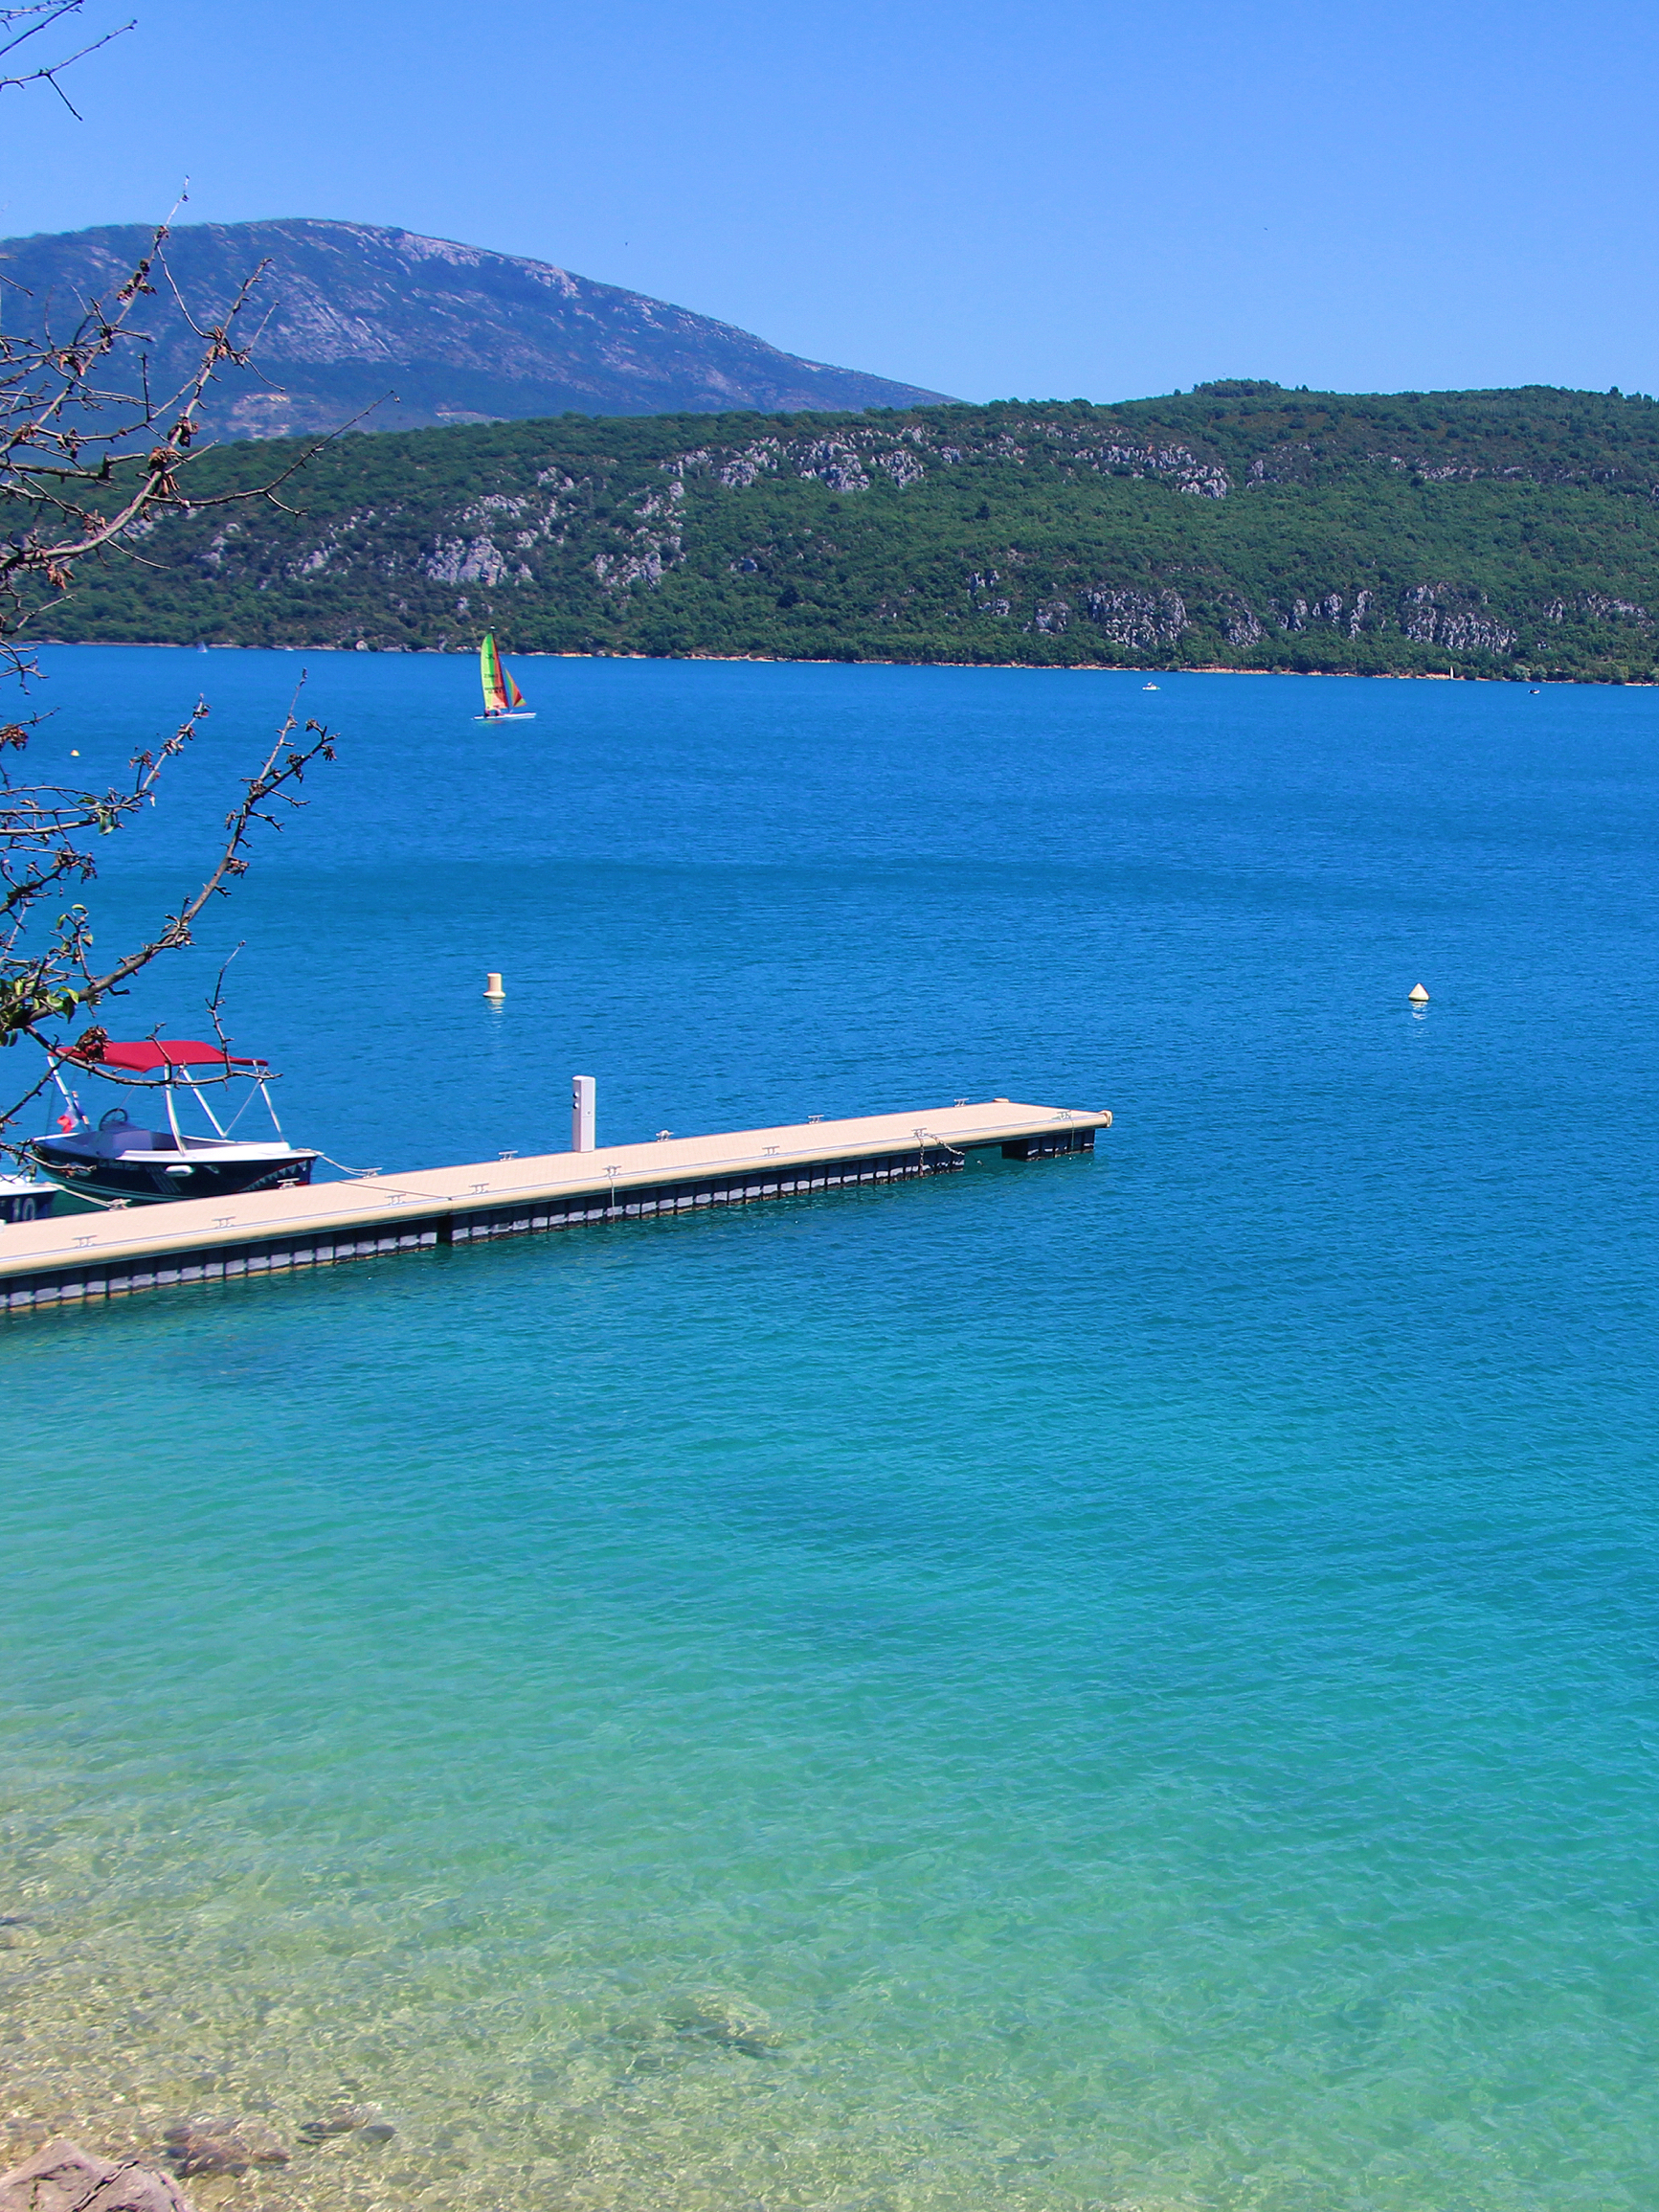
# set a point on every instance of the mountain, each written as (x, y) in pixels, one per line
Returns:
(347, 314)
(1238, 526)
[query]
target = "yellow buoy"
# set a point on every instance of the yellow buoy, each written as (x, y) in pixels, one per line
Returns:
(1418, 996)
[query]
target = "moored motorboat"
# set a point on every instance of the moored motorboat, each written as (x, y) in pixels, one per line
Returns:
(127, 1161)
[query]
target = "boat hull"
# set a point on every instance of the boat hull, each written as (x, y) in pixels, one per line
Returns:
(141, 1179)
(23, 1201)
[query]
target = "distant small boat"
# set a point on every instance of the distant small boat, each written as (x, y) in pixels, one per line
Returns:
(503, 700)
(1149, 687)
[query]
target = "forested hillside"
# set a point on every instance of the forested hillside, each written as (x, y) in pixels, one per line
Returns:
(1241, 525)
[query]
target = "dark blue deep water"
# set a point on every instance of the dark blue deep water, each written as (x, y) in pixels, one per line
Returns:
(1128, 1682)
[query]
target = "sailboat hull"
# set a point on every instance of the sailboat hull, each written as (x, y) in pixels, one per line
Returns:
(528, 715)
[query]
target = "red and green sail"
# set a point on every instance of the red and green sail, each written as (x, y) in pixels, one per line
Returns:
(500, 694)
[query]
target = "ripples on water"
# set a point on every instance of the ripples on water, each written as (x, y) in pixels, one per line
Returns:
(1121, 1684)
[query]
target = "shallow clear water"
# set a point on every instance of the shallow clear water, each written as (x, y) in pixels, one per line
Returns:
(1124, 1682)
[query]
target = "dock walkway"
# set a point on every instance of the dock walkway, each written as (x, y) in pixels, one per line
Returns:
(91, 1257)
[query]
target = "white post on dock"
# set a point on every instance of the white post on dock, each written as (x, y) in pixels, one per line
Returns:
(582, 1114)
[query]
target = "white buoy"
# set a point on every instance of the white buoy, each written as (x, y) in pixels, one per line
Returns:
(582, 1089)
(492, 987)
(1418, 996)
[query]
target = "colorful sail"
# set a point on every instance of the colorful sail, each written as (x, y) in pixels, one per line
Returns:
(515, 697)
(494, 676)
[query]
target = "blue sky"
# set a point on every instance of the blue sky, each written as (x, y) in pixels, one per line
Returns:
(1065, 200)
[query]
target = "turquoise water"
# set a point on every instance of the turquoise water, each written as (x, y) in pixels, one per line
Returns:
(1127, 1682)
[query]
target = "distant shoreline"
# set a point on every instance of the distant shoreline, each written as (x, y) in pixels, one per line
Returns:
(779, 661)
(870, 661)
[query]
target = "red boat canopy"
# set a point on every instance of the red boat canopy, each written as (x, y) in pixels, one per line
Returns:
(153, 1052)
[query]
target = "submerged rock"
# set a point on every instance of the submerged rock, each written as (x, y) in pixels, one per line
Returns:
(338, 2122)
(728, 2023)
(361, 2120)
(63, 2178)
(221, 2147)
(707, 2022)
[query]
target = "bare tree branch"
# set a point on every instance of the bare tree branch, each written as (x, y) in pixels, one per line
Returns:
(284, 766)
(91, 457)
(44, 16)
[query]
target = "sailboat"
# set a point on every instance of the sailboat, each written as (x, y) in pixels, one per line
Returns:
(503, 700)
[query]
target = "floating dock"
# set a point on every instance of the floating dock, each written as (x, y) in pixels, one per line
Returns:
(77, 1256)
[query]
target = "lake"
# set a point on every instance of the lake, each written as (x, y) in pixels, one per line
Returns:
(1123, 1683)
